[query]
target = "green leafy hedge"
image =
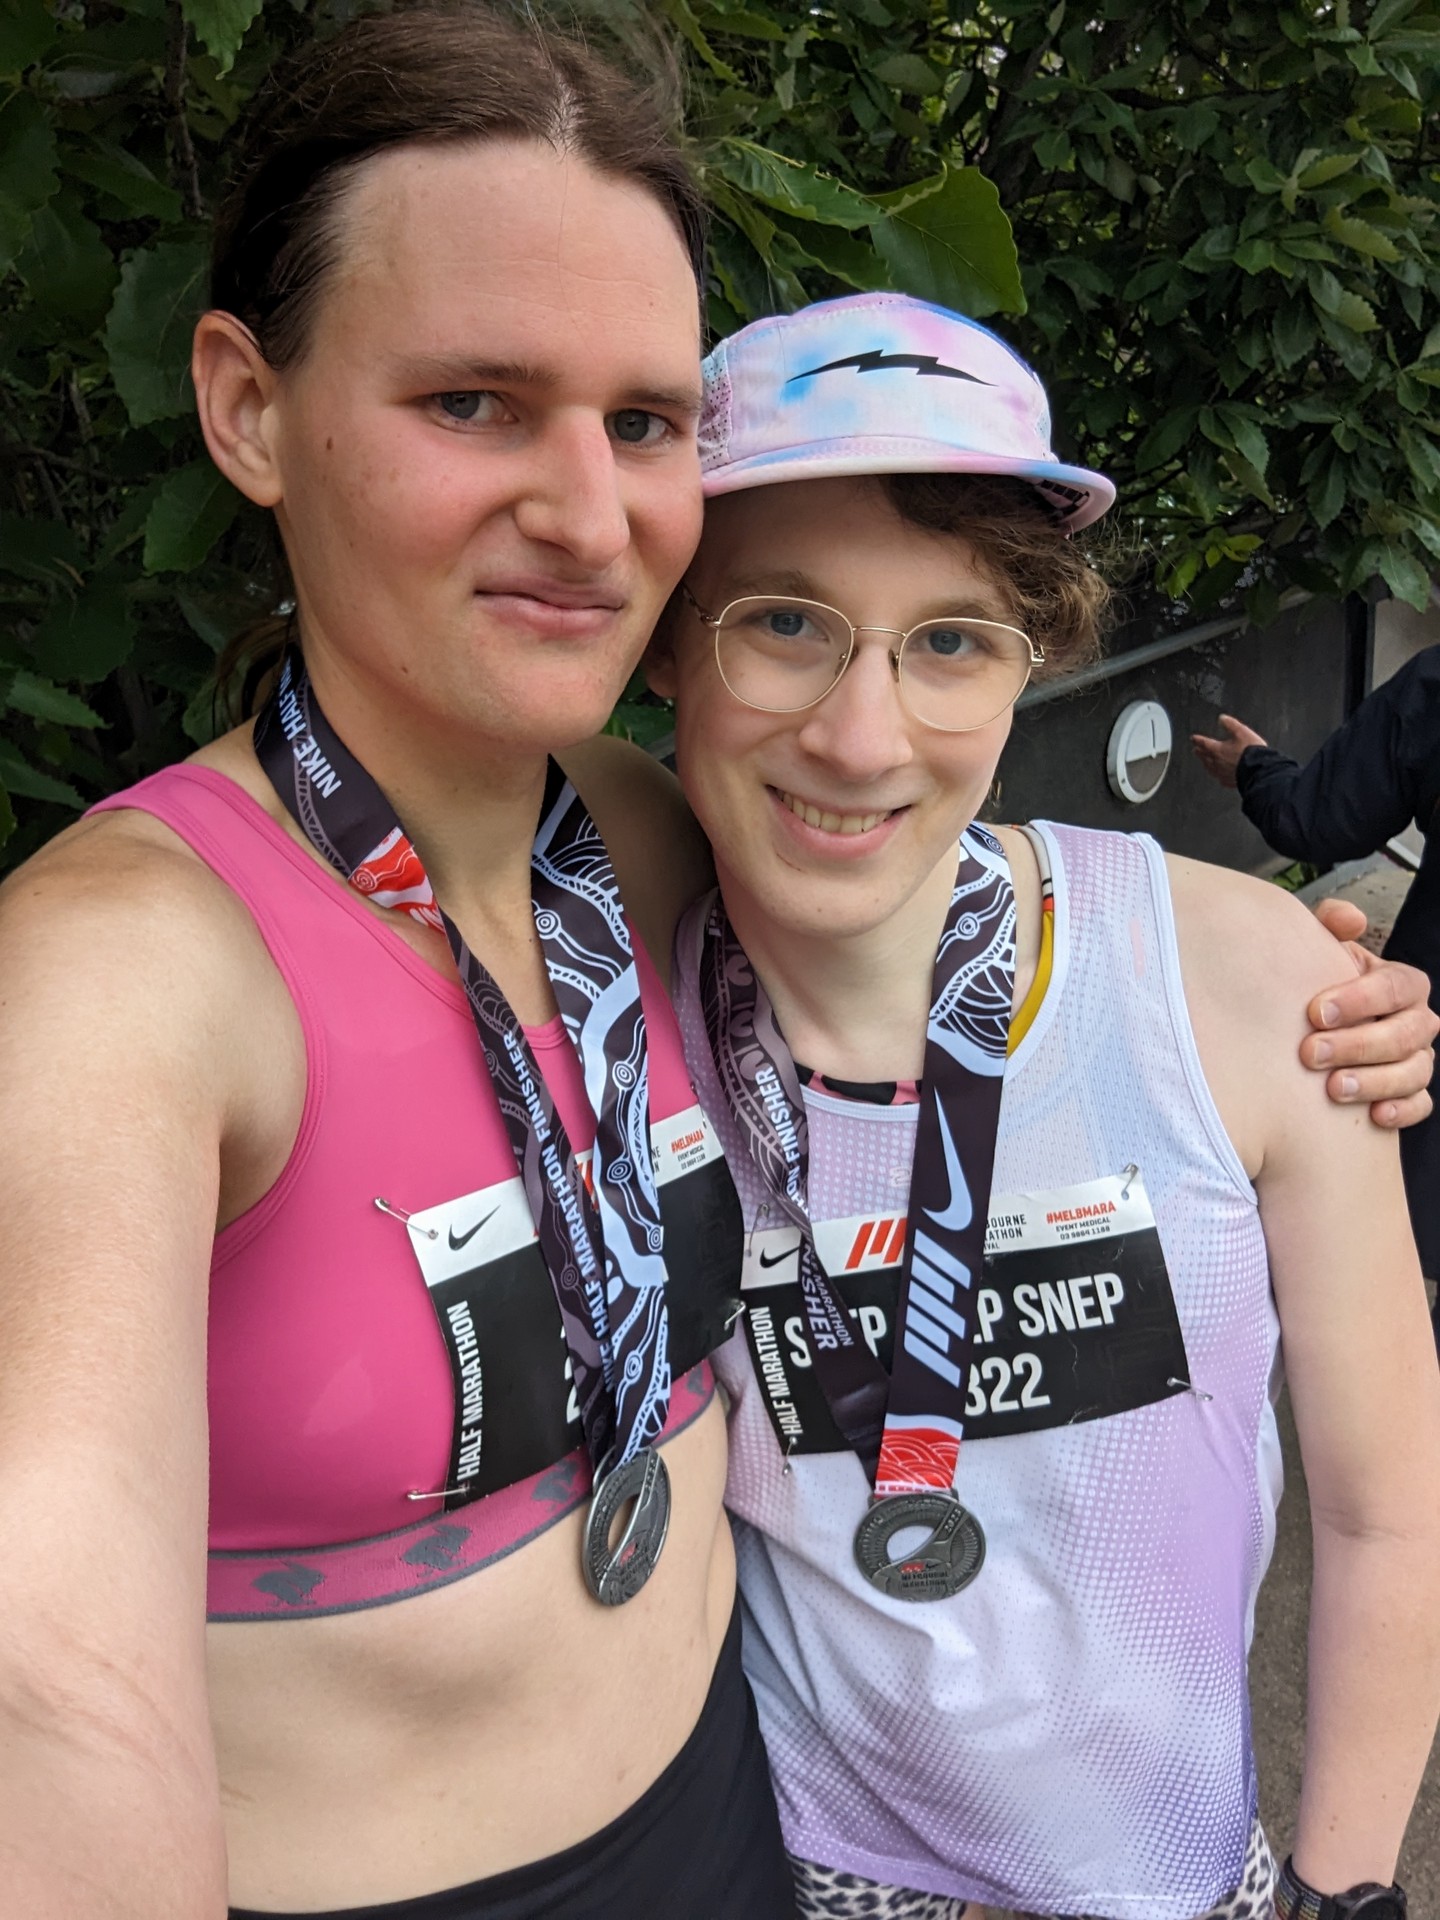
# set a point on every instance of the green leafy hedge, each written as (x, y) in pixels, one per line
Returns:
(1224, 257)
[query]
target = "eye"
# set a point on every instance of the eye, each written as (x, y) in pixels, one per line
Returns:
(785, 623)
(952, 643)
(468, 405)
(637, 427)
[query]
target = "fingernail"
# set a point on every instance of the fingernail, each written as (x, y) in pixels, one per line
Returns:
(1330, 1014)
(1349, 1086)
(1324, 1053)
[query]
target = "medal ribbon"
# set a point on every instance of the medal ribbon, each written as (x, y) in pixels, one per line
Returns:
(907, 1430)
(602, 1240)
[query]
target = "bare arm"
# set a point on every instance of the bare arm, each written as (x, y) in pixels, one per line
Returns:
(112, 1107)
(662, 859)
(1360, 1361)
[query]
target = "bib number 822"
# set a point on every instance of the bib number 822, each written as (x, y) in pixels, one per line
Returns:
(995, 1380)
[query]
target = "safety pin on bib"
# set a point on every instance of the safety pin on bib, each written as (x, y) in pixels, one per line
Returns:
(430, 1233)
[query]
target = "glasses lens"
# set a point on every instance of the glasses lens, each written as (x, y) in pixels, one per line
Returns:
(780, 653)
(959, 674)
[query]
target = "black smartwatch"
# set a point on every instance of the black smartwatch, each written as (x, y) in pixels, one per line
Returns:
(1369, 1901)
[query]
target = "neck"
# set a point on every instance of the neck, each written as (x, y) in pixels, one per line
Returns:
(469, 807)
(854, 1006)
(857, 1007)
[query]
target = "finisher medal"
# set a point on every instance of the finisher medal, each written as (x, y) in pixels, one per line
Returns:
(939, 1566)
(906, 1430)
(615, 1574)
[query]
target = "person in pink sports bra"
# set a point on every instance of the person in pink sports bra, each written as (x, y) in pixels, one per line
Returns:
(288, 1269)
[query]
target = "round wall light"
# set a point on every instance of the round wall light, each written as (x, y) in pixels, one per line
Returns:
(1138, 755)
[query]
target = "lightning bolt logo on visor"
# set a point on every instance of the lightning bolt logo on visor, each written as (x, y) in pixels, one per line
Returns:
(876, 362)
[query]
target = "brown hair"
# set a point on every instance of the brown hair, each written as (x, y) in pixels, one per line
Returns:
(435, 74)
(1056, 595)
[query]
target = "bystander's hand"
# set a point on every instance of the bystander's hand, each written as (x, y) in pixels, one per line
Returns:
(1374, 1035)
(1220, 758)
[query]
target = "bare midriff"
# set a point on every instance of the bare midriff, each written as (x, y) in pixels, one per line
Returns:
(376, 1755)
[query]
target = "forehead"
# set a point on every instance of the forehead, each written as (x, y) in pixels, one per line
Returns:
(846, 540)
(507, 250)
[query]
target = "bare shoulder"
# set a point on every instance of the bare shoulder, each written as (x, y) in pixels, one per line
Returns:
(1251, 957)
(121, 894)
(1235, 929)
(662, 859)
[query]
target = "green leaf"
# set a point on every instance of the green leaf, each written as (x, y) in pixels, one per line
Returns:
(1053, 150)
(1293, 332)
(1406, 578)
(1330, 168)
(29, 783)
(66, 264)
(953, 246)
(7, 816)
(125, 179)
(1360, 236)
(28, 176)
(790, 186)
(1355, 314)
(1165, 439)
(221, 25)
(1247, 438)
(26, 29)
(43, 700)
(843, 256)
(682, 16)
(85, 638)
(907, 73)
(160, 297)
(193, 508)
(750, 26)
(1327, 497)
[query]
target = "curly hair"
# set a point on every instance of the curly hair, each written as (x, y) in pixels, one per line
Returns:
(1056, 595)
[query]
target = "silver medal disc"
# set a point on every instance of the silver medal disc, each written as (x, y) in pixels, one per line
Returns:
(939, 1566)
(616, 1574)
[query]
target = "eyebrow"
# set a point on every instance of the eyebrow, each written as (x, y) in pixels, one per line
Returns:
(444, 373)
(789, 580)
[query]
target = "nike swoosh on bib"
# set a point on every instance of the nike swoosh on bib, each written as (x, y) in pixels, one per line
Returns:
(776, 1260)
(456, 1245)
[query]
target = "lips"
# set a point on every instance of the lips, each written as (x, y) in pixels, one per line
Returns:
(584, 596)
(827, 821)
(551, 610)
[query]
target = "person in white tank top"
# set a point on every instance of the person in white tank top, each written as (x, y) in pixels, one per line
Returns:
(1033, 1695)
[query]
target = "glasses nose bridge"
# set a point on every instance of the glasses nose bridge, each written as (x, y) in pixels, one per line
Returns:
(857, 627)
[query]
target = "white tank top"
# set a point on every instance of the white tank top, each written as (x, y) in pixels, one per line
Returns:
(1070, 1733)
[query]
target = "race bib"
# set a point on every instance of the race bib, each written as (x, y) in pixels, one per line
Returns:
(1075, 1316)
(516, 1410)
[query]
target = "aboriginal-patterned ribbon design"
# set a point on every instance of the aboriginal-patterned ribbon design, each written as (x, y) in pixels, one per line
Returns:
(906, 1430)
(602, 1239)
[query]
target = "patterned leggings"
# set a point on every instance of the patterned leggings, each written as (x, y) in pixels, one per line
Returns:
(825, 1893)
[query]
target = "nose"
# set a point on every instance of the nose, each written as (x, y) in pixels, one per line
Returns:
(572, 497)
(861, 729)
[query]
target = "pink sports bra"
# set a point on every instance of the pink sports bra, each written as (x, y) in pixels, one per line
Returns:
(330, 1395)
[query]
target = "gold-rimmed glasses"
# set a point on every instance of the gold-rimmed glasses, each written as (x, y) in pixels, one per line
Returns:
(781, 654)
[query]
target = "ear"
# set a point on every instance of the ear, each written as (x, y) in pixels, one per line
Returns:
(659, 657)
(235, 391)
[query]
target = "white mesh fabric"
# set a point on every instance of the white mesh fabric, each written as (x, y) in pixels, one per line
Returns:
(1071, 1733)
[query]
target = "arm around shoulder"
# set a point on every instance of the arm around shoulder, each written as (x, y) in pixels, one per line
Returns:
(113, 1104)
